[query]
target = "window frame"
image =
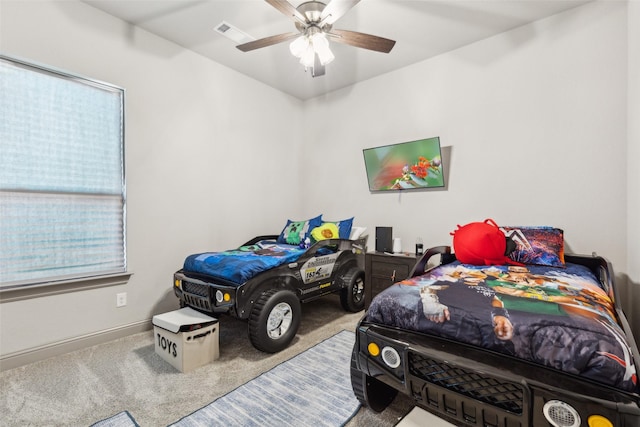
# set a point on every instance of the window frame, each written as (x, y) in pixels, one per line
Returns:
(35, 287)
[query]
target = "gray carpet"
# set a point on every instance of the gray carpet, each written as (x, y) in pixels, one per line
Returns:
(86, 386)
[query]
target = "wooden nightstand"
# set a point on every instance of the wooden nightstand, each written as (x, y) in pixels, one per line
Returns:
(383, 270)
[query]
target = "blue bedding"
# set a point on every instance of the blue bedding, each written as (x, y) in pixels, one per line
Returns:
(241, 264)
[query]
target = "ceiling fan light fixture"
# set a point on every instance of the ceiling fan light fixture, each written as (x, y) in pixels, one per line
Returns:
(298, 46)
(321, 47)
(308, 45)
(308, 56)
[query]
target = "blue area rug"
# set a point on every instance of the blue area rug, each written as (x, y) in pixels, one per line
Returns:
(122, 419)
(311, 389)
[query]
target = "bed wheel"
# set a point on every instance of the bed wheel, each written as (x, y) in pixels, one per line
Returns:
(372, 393)
(274, 320)
(352, 293)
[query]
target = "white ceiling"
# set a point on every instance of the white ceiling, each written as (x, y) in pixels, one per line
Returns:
(422, 29)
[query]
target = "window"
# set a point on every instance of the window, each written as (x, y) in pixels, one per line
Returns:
(62, 188)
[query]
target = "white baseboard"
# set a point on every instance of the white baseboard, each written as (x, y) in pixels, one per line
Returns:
(24, 357)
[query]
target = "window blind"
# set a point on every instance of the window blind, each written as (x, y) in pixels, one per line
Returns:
(62, 187)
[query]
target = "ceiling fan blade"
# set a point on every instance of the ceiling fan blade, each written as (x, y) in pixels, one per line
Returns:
(365, 41)
(287, 9)
(335, 9)
(267, 41)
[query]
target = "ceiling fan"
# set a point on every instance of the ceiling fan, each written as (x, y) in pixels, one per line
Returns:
(314, 21)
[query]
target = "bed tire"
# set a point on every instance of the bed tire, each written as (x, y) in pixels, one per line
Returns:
(370, 392)
(274, 320)
(352, 293)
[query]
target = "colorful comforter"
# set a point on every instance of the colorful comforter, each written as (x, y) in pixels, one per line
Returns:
(240, 265)
(556, 317)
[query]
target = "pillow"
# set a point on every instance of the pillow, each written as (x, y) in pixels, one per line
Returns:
(480, 243)
(537, 245)
(328, 230)
(356, 232)
(344, 227)
(296, 232)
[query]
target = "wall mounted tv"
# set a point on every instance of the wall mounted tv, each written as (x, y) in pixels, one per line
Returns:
(405, 166)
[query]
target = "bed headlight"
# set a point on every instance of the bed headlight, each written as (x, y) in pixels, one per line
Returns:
(561, 414)
(222, 296)
(391, 357)
(177, 283)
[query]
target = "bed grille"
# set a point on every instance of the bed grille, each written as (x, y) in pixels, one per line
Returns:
(195, 288)
(197, 302)
(496, 392)
(196, 295)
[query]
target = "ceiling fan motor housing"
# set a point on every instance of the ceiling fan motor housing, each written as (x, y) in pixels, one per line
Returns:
(312, 11)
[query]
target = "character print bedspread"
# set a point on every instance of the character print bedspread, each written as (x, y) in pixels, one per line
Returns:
(240, 265)
(556, 317)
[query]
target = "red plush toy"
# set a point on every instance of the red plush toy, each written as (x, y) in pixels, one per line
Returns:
(481, 243)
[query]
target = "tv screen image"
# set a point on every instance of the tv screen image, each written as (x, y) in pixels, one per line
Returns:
(405, 166)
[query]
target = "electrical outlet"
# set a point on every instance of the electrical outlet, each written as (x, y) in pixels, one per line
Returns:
(121, 299)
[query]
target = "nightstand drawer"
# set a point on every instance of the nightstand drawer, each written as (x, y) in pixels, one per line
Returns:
(393, 271)
(383, 270)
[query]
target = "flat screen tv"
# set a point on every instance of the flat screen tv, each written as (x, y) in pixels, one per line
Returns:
(405, 166)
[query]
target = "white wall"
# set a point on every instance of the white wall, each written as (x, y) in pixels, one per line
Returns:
(201, 145)
(534, 122)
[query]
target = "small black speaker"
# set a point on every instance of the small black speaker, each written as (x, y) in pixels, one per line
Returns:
(384, 239)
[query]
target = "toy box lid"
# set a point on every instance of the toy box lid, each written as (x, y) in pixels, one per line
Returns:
(174, 321)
